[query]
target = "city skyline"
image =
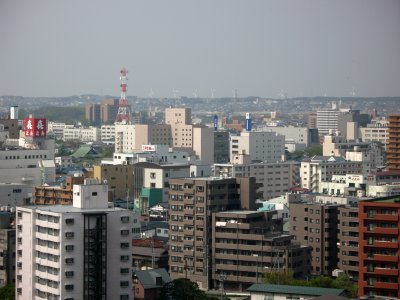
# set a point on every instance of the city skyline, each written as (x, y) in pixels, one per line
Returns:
(271, 49)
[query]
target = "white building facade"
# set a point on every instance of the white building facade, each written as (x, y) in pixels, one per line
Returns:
(261, 146)
(74, 252)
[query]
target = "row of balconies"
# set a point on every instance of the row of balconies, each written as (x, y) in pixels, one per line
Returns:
(378, 217)
(382, 230)
(382, 285)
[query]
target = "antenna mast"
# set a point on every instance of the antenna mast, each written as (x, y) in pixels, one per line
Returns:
(124, 114)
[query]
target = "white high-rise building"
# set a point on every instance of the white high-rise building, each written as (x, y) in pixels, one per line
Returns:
(81, 251)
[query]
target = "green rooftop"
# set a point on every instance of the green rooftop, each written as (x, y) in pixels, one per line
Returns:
(294, 290)
(390, 199)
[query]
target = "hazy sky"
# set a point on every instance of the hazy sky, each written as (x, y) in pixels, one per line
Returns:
(306, 48)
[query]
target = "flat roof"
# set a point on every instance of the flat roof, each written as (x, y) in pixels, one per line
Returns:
(292, 289)
(390, 199)
(239, 212)
(70, 208)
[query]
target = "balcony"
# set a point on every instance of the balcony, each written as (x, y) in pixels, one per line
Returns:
(386, 258)
(387, 272)
(189, 232)
(386, 285)
(382, 230)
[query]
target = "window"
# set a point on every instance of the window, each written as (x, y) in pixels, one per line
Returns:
(125, 219)
(69, 221)
(124, 245)
(124, 270)
(124, 232)
(69, 247)
(124, 284)
(69, 287)
(124, 297)
(69, 273)
(124, 257)
(94, 193)
(69, 261)
(69, 235)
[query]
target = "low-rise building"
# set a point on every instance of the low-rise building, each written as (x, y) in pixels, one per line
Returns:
(284, 292)
(147, 284)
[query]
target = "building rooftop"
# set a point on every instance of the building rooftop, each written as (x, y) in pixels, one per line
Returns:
(294, 290)
(390, 199)
(239, 212)
(70, 208)
(149, 280)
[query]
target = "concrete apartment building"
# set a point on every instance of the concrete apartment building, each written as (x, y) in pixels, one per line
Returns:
(372, 152)
(149, 153)
(174, 115)
(89, 134)
(377, 131)
(151, 183)
(381, 184)
(130, 138)
(27, 162)
(119, 179)
(11, 127)
(7, 250)
(393, 146)
(203, 144)
(81, 251)
(348, 240)
(312, 120)
(315, 225)
(56, 195)
(221, 147)
(302, 137)
(379, 256)
(273, 178)
(107, 133)
(105, 112)
(335, 119)
(180, 120)
(13, 194)
(321, 168)
(261, 146)
(191, 204)
(247, 244)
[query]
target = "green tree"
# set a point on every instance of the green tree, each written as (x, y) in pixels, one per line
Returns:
(7, 292)
(183, 289)
(313, 150)
(344, 282)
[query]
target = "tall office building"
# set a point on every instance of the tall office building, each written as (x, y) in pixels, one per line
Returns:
(379, 244)
(81, 251)
(393, 147)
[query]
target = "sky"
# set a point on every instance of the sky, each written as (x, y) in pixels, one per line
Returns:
(260, 48)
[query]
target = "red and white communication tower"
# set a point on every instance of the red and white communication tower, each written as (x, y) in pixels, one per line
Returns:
(124, 114)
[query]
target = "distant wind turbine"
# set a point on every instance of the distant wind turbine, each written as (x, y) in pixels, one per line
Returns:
(151, 93)
(175, 93)
(353, 92)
